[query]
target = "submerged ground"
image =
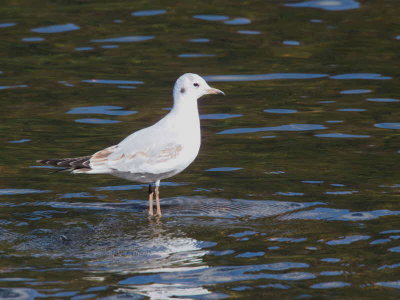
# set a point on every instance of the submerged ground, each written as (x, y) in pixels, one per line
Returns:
(294, 194)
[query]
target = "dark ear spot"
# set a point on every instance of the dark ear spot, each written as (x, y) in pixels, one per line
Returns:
(183, 90)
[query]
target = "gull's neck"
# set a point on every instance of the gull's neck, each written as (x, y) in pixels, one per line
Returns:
(185, 105)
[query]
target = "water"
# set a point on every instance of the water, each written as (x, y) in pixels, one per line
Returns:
(294, 193)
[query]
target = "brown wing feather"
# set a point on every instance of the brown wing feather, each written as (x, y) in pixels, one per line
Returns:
(68, 163)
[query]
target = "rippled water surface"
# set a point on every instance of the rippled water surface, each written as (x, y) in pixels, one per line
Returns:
(294, 194)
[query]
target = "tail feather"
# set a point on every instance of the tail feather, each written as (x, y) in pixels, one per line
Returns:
(68, 163)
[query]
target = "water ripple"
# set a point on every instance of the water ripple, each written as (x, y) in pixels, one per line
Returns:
(238, 21)
(250, 32)
(146, 13)
(4, 25)
(382, 100)
(104, 110)
(211, 17)
(213, 275)
(341, 135)
(125, 39)
(348, 240)
(334, 5)
(330, 285)
(323, 213)
(280, 111)
(56, 28)
(257, 77)
(109, 81)
(290, 127)
(391, 284)
(219, 116)
(291, 43)
(369, 76)
(191, 55)
(388, 125)
(21, 191)
(96, 121)
(360, 91)
(32, 39)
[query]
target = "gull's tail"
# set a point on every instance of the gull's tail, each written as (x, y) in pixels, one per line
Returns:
(82, 163)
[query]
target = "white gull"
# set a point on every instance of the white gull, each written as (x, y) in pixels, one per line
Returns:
(156, 152)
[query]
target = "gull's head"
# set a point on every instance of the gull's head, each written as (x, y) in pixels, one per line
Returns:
(192, 86)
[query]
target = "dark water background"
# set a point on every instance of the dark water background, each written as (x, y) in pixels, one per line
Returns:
(294, 194)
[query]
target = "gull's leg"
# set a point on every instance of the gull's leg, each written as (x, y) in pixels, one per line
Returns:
(151, 193)
(157, 192)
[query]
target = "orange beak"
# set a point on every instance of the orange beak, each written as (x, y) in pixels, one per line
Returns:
(215, 91)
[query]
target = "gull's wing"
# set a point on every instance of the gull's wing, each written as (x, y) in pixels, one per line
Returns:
(151, 150)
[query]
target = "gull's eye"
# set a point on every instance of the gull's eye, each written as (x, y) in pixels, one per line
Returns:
(196, 84)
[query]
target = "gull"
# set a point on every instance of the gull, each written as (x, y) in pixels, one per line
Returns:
(154, 153)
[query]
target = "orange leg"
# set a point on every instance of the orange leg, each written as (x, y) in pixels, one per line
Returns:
(157, 192)
(151, 194)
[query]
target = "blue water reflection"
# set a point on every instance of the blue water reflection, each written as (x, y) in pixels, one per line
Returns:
(290, 127)
(211, 17)
(388, 125)
(32, 39)
(250, 32)
(110, 81)
(256, 77)
(4, 25)
(96, 121)
(57, 28)
(146, 13)
(382, 100)
(103, 109)
(280, 111)
(238, 21)
(341, 135)
(357, 91)
(334, 5)
(125, 39)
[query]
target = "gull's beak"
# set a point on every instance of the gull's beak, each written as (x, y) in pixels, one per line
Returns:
(215, 91)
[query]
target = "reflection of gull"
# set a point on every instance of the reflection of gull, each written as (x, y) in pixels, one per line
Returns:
(156, 152)
(159, 255)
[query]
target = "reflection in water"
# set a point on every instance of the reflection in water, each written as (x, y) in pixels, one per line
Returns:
(330, 285)
(359, 91)
(291, 127)
(109, 81)
(146, 13)
(202, 40)
(211, 17)
(328, 4)
(382, 100)
(369, 76)
(388, 125)
(189, 55)
(219, 116)
(280, 111)
(124, 39)
(351, 109)
(256, 77)
(238, 21)
(96, 121)
(56, 28)
(341, 135)
(20, 191)
(4, 25)
(291, 43)
(250, 32)
(32, 39)
(103, 109)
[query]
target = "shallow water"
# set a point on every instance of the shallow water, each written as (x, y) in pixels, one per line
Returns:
(294, 194)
